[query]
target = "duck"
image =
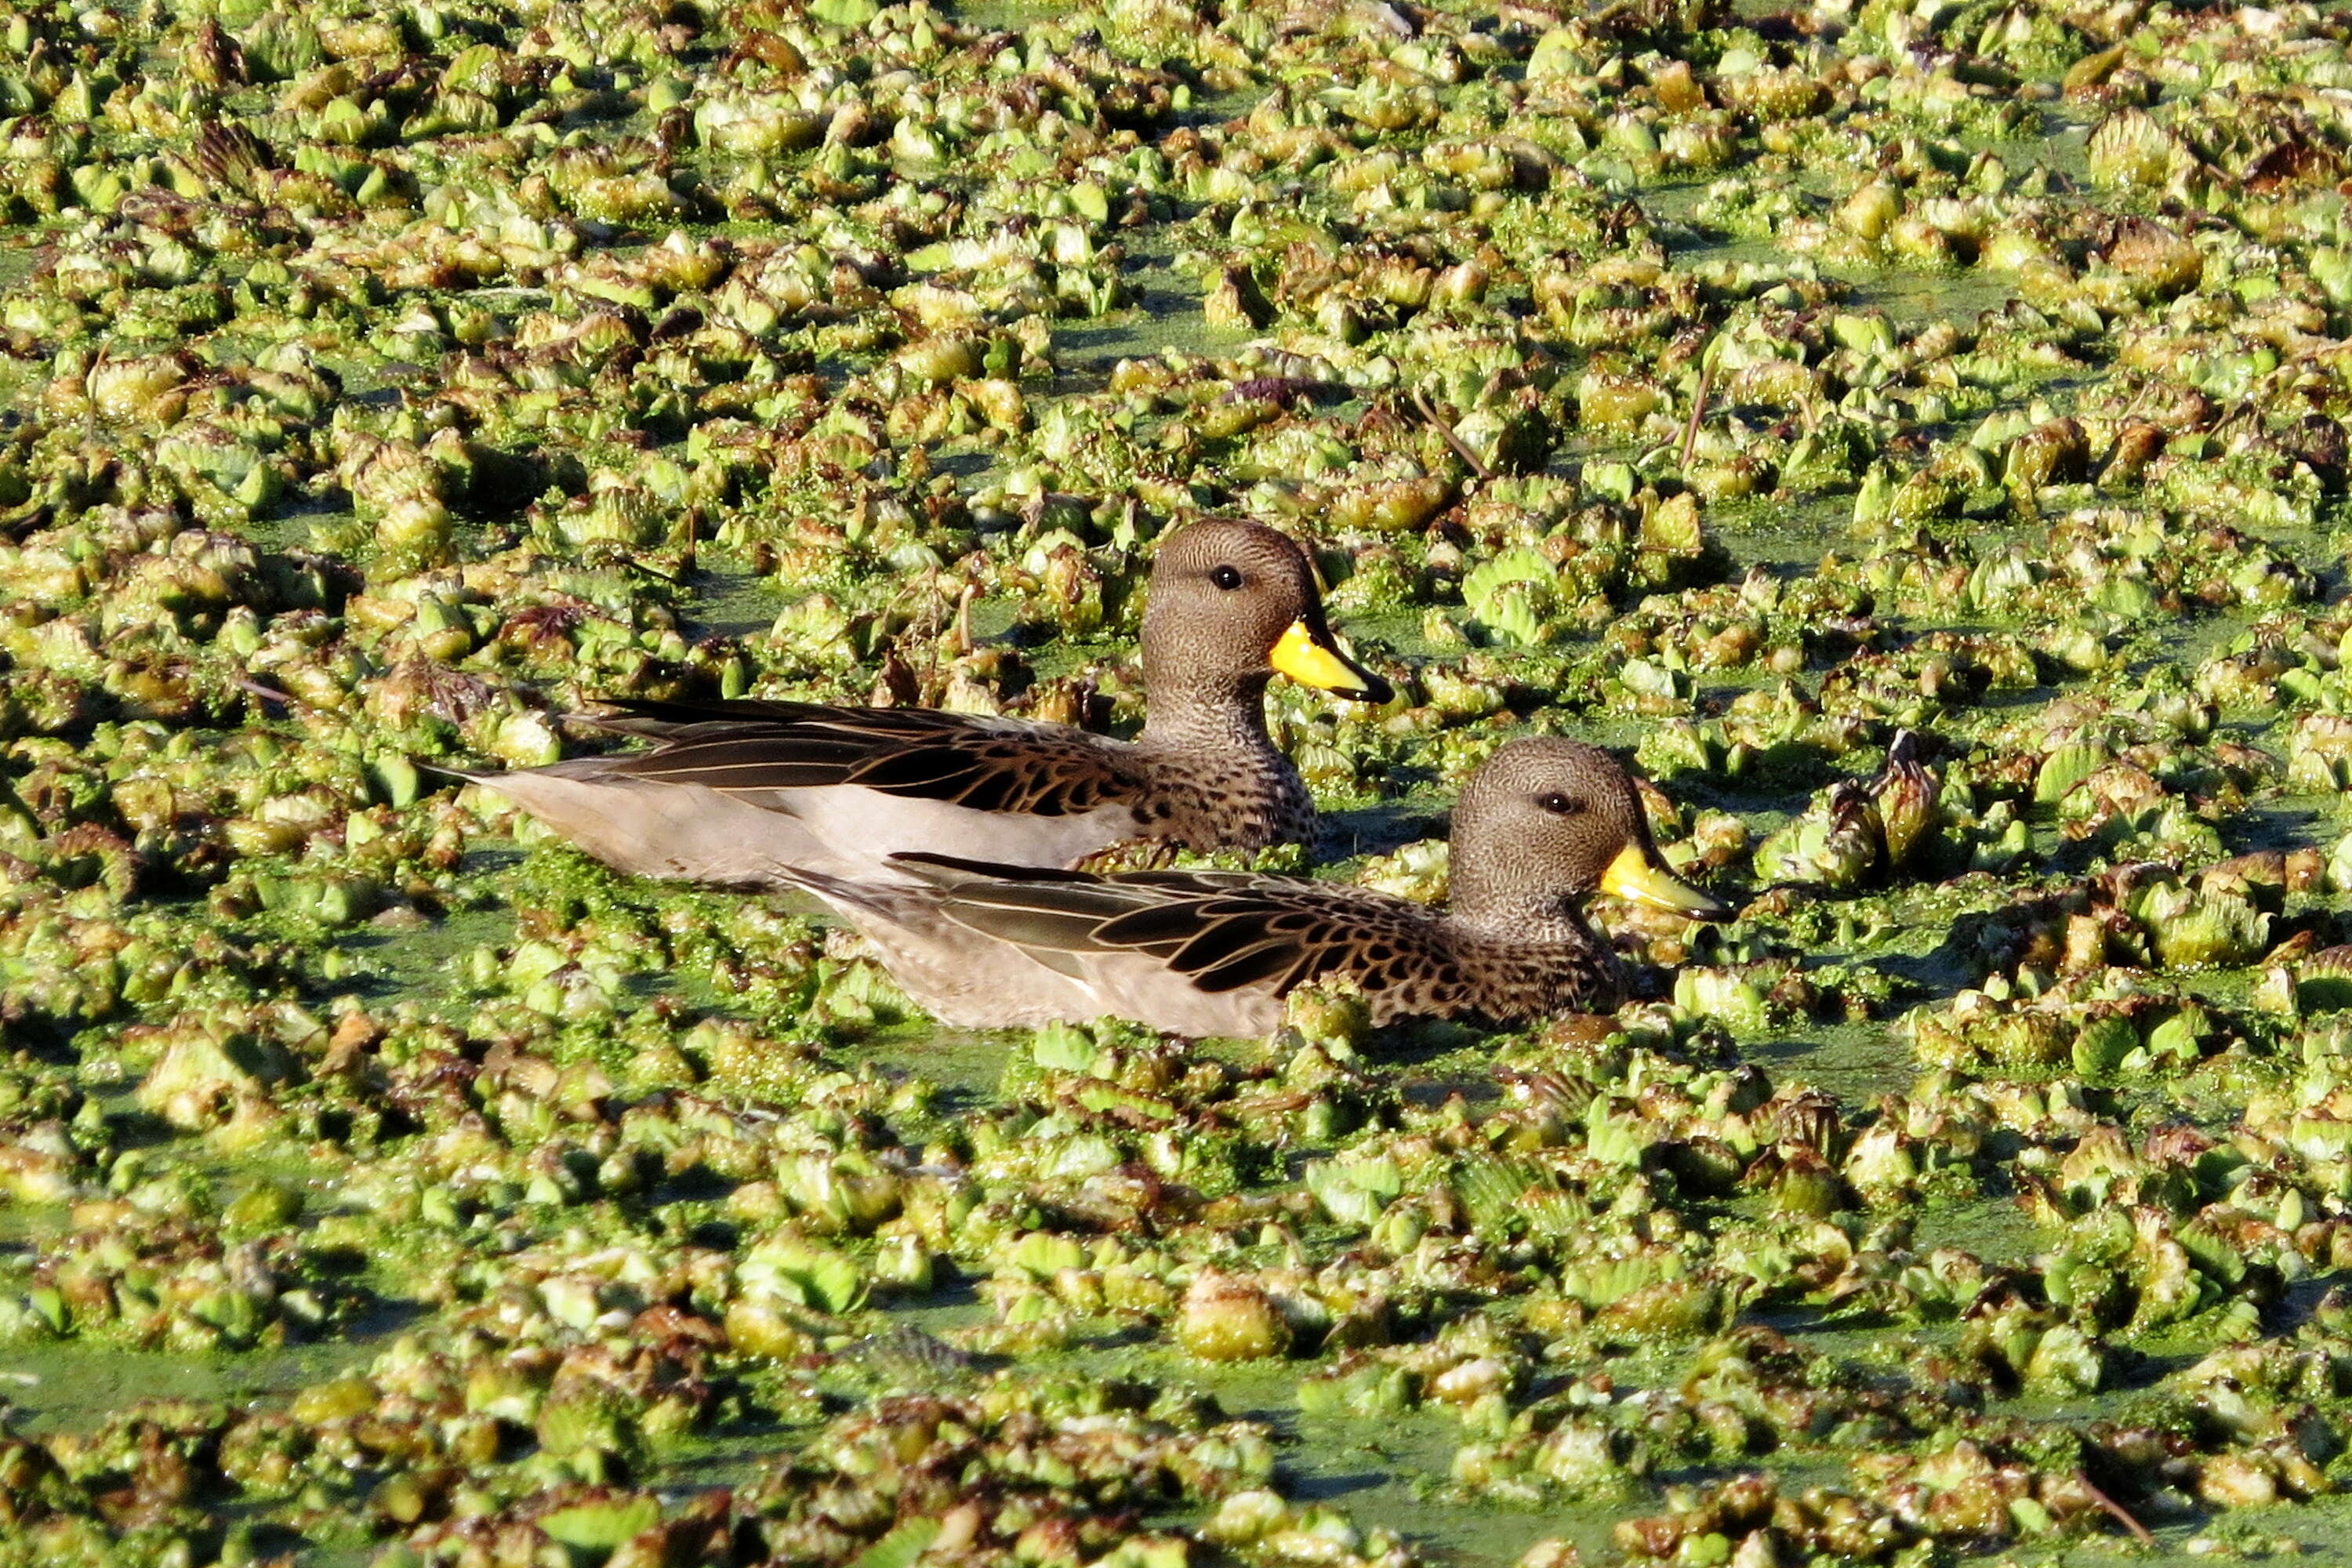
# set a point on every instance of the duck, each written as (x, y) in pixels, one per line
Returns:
(1542, 826)
(752, 793)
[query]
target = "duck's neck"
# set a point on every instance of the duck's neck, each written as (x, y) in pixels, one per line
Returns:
(1217, 712)
(1546, 961)
(1523, 920)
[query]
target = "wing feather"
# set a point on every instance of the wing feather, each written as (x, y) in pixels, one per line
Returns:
(979, 761)
(1223, 937)
(1221, 930)
(1266, 961)
(1157, 928)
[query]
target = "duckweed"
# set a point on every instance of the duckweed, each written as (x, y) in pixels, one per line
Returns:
(1914, 435)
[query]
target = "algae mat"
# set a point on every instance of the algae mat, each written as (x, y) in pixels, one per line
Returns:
(1746, 388)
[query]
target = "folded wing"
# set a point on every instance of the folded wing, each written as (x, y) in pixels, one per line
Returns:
(978, 762)
(1223, 931)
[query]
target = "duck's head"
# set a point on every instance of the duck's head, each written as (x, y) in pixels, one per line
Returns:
(1547, 821)
(1231, 601)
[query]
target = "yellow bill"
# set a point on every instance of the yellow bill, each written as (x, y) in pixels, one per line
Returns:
(1632, 877)
(1307, 656)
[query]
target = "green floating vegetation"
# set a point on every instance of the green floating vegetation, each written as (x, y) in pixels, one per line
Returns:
(1915, 436)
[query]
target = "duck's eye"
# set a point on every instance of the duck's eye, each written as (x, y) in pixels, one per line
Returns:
(1562, 805)
(1226, 577)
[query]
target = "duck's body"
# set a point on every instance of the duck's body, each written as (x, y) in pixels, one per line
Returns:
(746, 794)
(1201, 952)
(765, 793)
(1545, 823)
